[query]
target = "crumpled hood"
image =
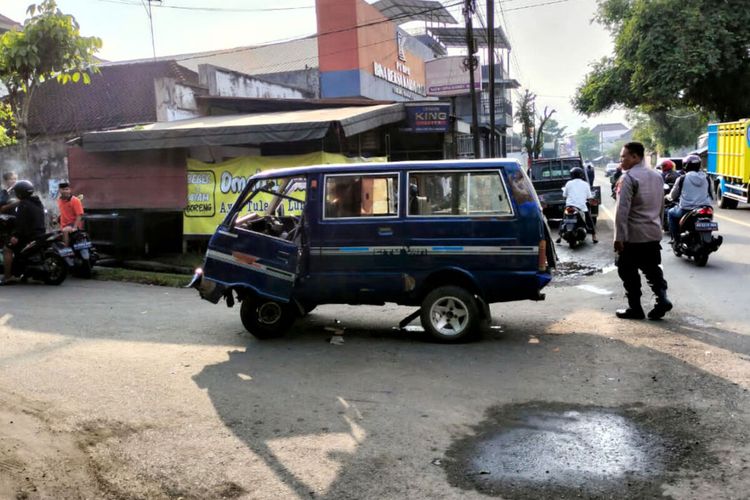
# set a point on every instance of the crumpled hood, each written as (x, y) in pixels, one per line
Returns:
(695, 178)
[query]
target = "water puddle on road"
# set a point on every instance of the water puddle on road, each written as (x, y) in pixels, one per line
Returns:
(552, 450)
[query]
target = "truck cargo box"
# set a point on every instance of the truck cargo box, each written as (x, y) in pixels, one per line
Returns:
(729, 150)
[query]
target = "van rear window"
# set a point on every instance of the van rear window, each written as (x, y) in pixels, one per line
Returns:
(480, 193)
(350, 196)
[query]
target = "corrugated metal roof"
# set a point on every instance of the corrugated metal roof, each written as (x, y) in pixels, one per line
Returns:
(256, 128)
(281, 57)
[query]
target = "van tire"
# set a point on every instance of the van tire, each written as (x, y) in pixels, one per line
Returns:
(266, 319)
(450, 314)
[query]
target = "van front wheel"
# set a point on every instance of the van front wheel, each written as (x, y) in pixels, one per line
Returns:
(266, 319)
(450, 314)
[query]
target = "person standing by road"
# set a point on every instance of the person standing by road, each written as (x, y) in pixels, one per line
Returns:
(9, 179)
(590, 173)
(637, 241)
(71, 211)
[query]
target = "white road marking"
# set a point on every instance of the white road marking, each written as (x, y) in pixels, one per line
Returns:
(724, 217)
(609, 269)
(594, 289)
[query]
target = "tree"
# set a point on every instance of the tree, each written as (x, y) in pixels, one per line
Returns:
(553, 132)
(672, 54)
(587, 143)
(662, 131)
(7, 126)
(532, 133)
(48, 46)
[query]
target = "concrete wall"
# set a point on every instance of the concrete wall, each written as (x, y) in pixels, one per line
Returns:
(47, 165)
(305, 80)
(224, 82)
(175, 101)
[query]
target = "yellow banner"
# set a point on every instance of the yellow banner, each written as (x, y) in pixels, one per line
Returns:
(214, 187)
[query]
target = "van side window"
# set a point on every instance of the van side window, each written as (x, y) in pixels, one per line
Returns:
(480, 193)
(361, 196)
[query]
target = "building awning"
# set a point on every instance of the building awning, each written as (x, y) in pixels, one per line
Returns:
(255, 129)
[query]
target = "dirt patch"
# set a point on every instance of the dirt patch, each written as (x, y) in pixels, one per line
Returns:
(555, 450)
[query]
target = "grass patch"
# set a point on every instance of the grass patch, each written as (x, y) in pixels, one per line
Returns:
(143, 277)
(190, 260)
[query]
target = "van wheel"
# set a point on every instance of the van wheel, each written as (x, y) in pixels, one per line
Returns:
(450, 314)
(266, 319)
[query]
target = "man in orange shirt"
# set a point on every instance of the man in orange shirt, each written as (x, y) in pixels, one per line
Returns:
(71, 211)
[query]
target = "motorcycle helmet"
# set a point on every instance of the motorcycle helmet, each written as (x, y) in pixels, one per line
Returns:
(577, 173)
(666, 165)
(692, 163)
(23, 189)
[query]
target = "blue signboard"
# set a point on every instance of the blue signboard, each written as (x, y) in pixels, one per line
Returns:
(426, 118)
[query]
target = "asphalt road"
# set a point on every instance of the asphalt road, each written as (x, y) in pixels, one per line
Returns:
(113, 390)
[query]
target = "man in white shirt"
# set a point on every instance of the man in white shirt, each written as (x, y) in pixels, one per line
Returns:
(577, 193)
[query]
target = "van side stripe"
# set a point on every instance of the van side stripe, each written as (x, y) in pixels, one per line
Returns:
(426, 250)
(260, 268)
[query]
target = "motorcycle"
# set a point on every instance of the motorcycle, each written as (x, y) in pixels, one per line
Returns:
(41, 260)
(573, 226)
(694, 239)
(81, 255)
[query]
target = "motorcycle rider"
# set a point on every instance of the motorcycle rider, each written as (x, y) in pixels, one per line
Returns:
(690, 191)
(29, 225)
(577, 193)
(71, 211)
(668, 172)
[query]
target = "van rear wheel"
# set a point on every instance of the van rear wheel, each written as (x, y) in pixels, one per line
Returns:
(266, 319)
(450, 314)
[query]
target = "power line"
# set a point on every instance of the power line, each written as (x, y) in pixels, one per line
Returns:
(215, 9)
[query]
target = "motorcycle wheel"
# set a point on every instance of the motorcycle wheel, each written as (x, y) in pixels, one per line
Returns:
(676, 250)
(57, 269)
(701, 260)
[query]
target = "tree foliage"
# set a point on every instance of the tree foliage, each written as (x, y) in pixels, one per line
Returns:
(7, 126)
(587, 143)
(662, 131)
(532, 125)
(672, 54)
(48, 46)
(553, 132)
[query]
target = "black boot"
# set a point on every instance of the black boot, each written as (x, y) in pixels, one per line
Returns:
(662, 306)
(634, 310)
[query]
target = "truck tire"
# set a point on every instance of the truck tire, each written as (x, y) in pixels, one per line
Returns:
(725, 202)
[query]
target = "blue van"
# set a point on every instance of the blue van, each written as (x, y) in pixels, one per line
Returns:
(450, 237)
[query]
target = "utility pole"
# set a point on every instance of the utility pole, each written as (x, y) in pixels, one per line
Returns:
(151, 24)
(491, 53)
(470, 63)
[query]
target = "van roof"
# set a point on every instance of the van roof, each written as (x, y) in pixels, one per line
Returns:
(508, 163)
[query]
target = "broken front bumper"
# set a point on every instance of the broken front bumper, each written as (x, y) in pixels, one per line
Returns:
(207, 289)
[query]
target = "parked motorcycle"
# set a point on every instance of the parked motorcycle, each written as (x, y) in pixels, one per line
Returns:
(41, 260)
(81, 255)
(573, 226)
(694, 239)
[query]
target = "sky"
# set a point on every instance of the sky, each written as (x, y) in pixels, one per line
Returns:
(553, 45)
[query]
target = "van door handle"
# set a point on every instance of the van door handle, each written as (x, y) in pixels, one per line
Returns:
(385, 231)
(283, 255)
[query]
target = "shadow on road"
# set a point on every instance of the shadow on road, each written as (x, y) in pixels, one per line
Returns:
(373, 418)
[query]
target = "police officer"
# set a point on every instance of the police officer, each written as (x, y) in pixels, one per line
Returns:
(638, 231)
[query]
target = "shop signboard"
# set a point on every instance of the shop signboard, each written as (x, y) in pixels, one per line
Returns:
(428, 118)
(214, 187)
(447, 76)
